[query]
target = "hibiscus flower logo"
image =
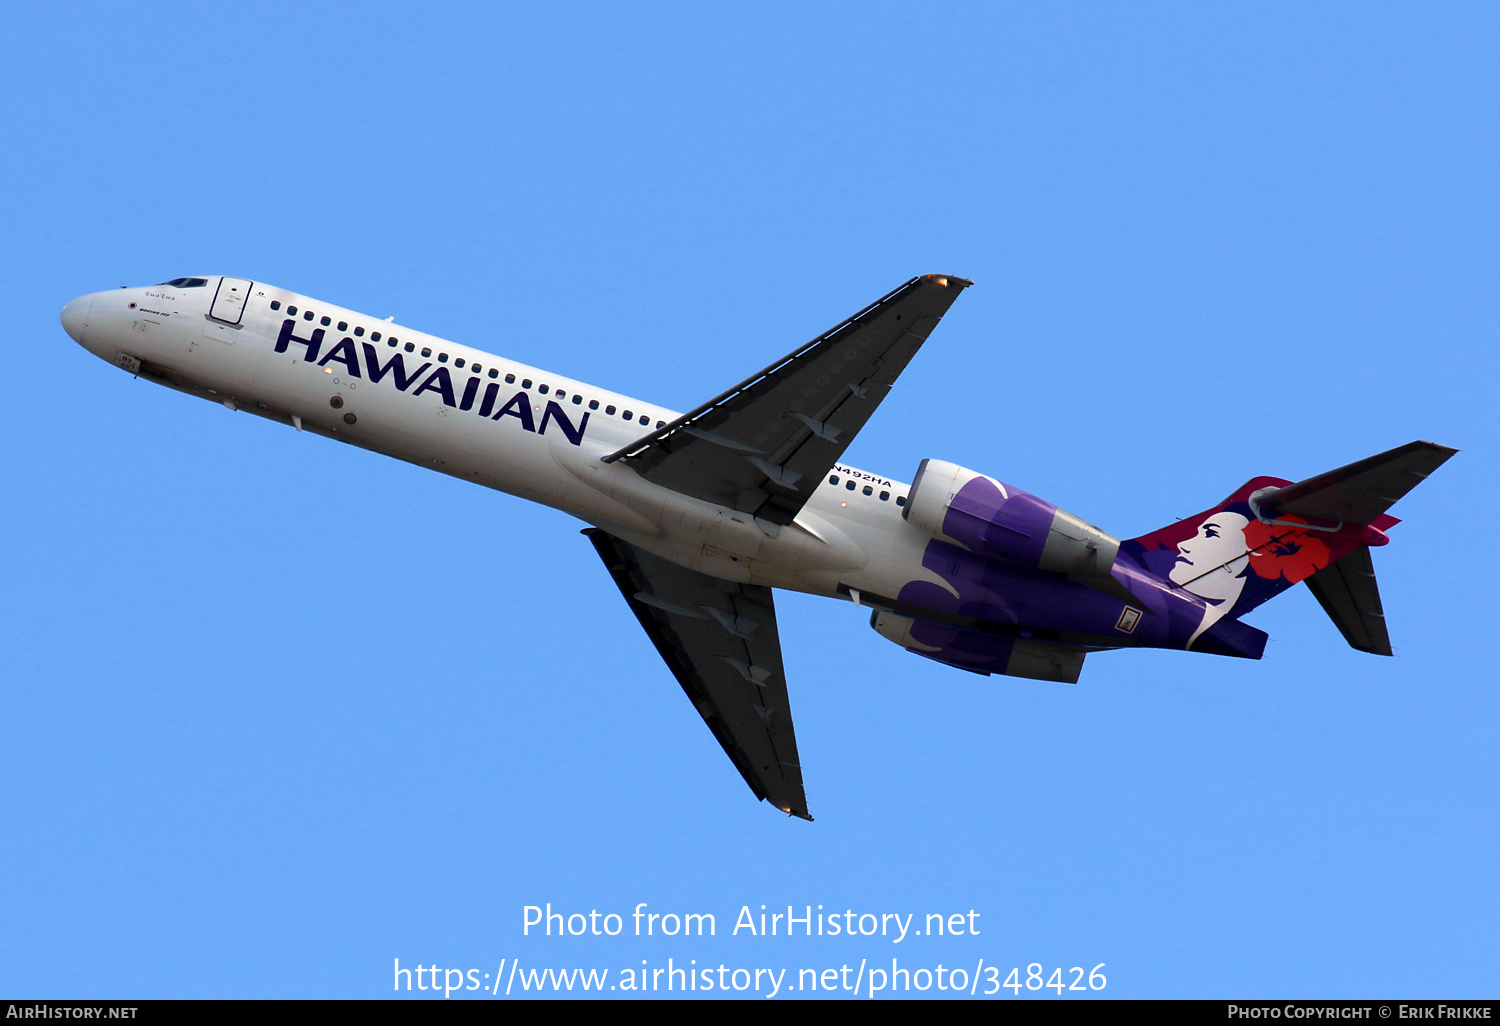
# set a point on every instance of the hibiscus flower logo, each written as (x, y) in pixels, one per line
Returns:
(1280, 551)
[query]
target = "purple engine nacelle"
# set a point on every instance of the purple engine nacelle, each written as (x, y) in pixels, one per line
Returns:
(998, 521)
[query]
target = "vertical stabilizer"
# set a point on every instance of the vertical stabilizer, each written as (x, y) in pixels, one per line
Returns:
(1270, 534)
(1358, 494)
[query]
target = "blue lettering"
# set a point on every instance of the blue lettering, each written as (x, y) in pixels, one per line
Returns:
(349, 358)
(467, 403)
(575, 435)
(519, 405)
(489, 399)
(403, 380)
(286, 338)
(439, 381)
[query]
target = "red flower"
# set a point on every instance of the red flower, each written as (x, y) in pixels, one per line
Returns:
(1279, 550)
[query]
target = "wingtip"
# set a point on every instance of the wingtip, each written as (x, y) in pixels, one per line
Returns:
(948, 280)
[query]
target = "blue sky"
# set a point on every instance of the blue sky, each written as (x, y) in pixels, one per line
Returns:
(274, 712)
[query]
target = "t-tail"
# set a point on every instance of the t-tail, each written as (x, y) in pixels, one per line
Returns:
(1271, 533)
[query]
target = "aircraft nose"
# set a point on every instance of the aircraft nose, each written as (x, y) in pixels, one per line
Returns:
(75, 317)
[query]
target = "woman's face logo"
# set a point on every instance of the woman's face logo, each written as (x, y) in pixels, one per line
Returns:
(1211, 565)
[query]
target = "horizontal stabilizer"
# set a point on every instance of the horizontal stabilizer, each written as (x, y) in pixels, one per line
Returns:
(1347, 591)
(1362, 491)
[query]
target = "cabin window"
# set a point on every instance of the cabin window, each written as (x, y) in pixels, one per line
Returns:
(292, 310)
(661, 424)
(393, 338)
(561, 394)
(833, 479)
(628, 415)
(426, 352)
(542, 389)
(460, 362)
(343, 325)
(359, 332)
(375, 335)
(525, 382)
(275, 304)
(645, 419)
(609, 411)
(442, 357)
(326, 321)
(307, 315)
(885, 496)
(593, 404)
(850, 485)
(411, 347)
(577, 399)
(901, 500)
(494, 373)
(510, 379)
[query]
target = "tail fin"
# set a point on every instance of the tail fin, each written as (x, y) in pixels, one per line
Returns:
(1271, 533)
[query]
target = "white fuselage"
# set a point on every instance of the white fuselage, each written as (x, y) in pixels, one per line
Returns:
(549, 452)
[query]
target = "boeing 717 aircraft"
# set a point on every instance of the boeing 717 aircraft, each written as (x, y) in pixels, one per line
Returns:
(699, 516)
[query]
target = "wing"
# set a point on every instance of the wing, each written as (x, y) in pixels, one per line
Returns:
(719, 640)
(763, 446)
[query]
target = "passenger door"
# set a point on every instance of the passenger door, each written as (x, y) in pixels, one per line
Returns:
(229, 300)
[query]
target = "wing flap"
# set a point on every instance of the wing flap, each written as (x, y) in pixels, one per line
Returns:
(720, 641)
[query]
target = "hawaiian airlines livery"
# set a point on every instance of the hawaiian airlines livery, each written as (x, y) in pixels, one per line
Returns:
(699, 515)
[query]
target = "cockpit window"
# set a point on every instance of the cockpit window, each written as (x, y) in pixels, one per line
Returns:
(187, 283)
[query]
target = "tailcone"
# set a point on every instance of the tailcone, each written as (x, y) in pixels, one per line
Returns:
(1232, 638)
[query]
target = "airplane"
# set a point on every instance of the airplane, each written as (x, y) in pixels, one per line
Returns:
(699, 516)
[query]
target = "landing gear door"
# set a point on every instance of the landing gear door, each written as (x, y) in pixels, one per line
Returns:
(229, 301)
